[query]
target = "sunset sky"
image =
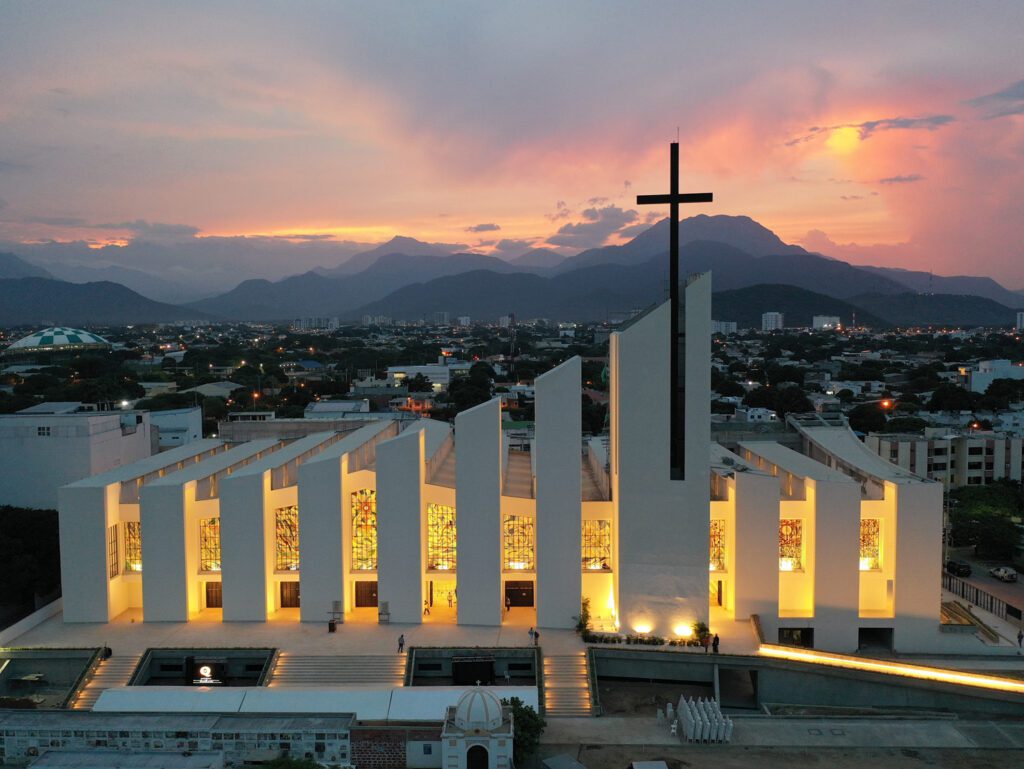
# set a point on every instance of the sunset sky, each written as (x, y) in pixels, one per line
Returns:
(884, 133)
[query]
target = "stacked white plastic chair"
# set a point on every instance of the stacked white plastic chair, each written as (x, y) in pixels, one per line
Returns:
(702, 721)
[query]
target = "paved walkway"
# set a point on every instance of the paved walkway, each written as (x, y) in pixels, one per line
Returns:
(128, 634)
(780, 731)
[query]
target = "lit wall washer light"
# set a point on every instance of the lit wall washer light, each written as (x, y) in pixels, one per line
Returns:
(893, 668)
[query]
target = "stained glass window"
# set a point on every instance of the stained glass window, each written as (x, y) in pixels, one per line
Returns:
(209, 544)
(440, 537)
(870, 544)
(519, 537)
(113, 561)
(286, 520)
(717, 545)
(791, 544)
(364, 530)
(132, 546)
(596, 545)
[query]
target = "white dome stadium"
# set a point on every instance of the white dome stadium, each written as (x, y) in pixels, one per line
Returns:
(58, 339)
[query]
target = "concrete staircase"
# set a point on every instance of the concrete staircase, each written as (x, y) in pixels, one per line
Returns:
(305, 671)
(566, 686)
(108, 673)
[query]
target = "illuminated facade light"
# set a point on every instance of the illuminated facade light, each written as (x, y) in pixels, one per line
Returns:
(286, 525)
(892, 668)
(519, 543)
(596, 545)
(870, 544)
(441, 537)
(717, 545)
(209, 545)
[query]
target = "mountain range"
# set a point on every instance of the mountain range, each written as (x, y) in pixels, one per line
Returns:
(408, 279)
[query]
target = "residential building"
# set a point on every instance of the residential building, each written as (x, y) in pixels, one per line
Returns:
(771, 321)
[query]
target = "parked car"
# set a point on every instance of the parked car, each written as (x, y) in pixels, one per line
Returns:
(958, 568)
(1005, 573)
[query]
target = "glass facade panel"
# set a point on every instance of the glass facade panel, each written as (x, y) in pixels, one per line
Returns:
(364, 530)
(209, 544)
(791, 544)
(113, 559)
(440, 537)
(596, 546)
(132, 546)
(870, 544)
(717, 546)
(519, 543)
(286, 522)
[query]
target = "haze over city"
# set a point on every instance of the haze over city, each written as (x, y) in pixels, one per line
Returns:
(880, 134)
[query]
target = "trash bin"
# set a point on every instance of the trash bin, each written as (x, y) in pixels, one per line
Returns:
(332, 626)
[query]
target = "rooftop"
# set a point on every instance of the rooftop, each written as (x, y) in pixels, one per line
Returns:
(841, 443)
(794, 462)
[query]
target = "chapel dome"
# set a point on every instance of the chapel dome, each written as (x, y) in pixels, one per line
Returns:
(478, 709)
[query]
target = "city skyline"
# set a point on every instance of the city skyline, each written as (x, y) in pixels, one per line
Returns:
(877, 137)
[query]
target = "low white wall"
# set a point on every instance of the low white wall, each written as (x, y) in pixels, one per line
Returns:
(38, 617)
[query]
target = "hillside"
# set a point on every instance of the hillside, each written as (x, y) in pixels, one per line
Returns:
(911, 309)
(746, 305)
(928, 283)
(313, 293)
(43, 301)
(12, 266)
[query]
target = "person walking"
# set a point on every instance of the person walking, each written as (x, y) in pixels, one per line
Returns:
(1020, 637)
(714, 644)
(449, 599)
(705, 642)
(531, 631)
(536, 637)
(508, 604)
(401, 643)
(426, 608)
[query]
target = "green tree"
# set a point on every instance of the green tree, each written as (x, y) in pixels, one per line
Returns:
(990, 529)
(529, 726)
(419, 384)
(867, 418)
(950, 397)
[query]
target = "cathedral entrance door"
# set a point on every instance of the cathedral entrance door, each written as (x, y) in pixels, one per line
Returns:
(366, 594)
(519, 593)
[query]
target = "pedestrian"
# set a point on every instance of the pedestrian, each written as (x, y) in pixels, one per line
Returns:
(1020, 637)
(508, 604)
(426, 608)
(714, 644)
(536, 637)
(449, 599)
(531, 632)
(705, 641)
(401, 643)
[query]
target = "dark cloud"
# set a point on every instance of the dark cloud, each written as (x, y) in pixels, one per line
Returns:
(597, 201)
(561, 212)
(597, 226)
(851, 197)
(7, 165)
(634, 229)
(144, 230)
(907, 179)
(491, 227)
(1009, 101)
(870, 127)
(57, 221)
(510, 247)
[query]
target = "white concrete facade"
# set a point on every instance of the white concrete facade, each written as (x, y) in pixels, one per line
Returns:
(41, 452)
(460, 521)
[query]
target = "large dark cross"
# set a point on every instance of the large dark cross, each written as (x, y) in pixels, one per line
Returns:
(677, 353)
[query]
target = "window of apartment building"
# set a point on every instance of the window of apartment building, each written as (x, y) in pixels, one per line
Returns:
(43, 432)
(975, 450)
(940, 451)
(974, 465)
(113, 561)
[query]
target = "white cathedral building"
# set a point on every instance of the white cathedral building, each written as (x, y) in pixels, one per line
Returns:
(821, 544)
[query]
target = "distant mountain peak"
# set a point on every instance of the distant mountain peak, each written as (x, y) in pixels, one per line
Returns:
(538, 257)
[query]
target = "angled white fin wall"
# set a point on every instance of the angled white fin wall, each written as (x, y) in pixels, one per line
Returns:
(399, 526)
(478, 507)
(558, 448)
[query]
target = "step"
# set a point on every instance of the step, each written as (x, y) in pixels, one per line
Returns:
(108, 673)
